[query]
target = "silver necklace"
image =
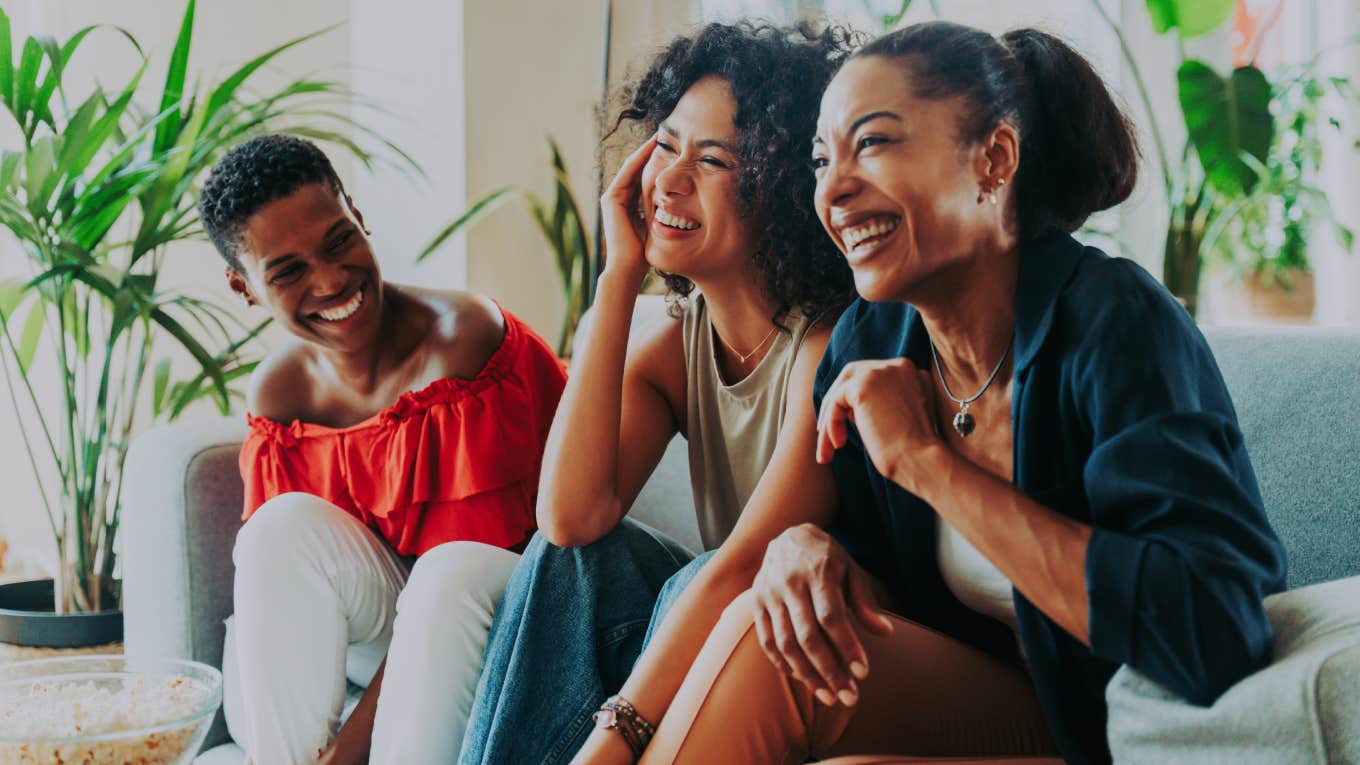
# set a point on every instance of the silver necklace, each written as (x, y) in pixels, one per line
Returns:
(963, 421)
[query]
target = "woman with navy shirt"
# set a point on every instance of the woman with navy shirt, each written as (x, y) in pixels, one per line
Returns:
(1040, 471)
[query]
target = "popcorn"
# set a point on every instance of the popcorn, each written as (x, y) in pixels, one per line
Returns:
(66, 709)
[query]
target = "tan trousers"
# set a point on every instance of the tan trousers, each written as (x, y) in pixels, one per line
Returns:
(928, 698)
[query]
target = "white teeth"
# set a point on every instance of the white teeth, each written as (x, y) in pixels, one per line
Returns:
(675, 221)
(345, 311)
(853, 237)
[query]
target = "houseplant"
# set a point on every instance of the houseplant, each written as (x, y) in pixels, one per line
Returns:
(1262, 240)
(96, 196)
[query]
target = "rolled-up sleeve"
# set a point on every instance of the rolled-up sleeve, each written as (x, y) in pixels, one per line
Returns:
(1182, 554)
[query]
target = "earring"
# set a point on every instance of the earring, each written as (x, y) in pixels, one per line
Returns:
(989, 191)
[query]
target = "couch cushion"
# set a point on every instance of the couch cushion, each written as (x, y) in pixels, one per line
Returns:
(1295, 390)
(1302, 708)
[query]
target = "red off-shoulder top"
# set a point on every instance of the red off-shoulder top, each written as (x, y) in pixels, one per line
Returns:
(458, 460)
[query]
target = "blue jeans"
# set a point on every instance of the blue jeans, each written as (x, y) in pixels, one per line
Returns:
(570, 626)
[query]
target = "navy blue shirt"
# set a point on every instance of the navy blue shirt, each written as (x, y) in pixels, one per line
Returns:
(1121, 421)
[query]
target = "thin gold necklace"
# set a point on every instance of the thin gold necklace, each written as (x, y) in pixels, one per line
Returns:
(743, 357)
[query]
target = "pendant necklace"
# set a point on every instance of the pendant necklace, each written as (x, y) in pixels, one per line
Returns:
(963, 421)
(739, 354)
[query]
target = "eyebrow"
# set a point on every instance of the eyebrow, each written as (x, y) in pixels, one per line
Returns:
(288, 256)
(703, 143)
(859, 121)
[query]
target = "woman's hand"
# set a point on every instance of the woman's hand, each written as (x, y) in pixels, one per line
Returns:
(625, 229)
(806, 593)
(892, 405)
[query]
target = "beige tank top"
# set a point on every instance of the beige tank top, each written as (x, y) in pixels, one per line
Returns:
(732, 429)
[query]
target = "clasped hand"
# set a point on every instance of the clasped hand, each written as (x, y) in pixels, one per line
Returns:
(810, 593)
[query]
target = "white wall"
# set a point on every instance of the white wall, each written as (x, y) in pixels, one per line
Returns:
(408, 56)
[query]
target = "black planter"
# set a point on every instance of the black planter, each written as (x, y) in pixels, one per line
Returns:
(26, 619)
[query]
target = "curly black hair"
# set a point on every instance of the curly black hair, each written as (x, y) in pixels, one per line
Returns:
(777, 75)
(250, 176)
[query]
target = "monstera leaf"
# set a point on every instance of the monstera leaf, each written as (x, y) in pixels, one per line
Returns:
(1227, 119)
(1191, 18)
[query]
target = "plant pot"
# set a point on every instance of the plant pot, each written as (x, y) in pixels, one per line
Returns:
(27, 619)
(1269, 301)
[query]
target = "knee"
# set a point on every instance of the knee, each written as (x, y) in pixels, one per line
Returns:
(738, 617)
(274, 531)
(458, 573)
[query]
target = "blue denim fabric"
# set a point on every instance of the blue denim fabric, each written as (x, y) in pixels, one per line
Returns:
(569, 628)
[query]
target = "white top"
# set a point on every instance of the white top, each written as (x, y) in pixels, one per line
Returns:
(971, 577)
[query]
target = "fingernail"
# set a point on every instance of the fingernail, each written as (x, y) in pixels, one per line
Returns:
(848, 698)
(824, 696)
(858, 669)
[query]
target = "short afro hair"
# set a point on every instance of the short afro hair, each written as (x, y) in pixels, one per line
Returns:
(252, 175)
(777, 75)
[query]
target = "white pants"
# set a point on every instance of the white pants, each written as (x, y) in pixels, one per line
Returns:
(320, 598)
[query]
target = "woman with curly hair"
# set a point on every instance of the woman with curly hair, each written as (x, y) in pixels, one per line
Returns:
(719, 198)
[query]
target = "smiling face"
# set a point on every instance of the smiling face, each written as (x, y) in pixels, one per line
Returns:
(689, 187)
(307, 262)
(896, 189)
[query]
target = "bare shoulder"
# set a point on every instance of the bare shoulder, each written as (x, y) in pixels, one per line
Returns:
(281, 387)
(657, 354)
(814, 344)
(657, 358)
(467, 330)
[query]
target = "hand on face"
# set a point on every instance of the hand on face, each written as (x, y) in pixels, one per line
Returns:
(808, 595)
(891, 404)
(625, 228)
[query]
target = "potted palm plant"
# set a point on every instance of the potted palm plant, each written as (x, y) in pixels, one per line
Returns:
(96, 197)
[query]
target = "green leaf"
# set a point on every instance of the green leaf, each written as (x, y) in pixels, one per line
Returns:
(160, 382)
(1225, 120)
(77, 129)
(39, 167)
(210, 365)
(12, 293)
(544, 219)
(168, 130)
(6, 61)
(1345, 237)
(9, 168)
(31, 335)
(1191, 17)
(479, 209)
(891, 20)
(25, 82)
(77, 323)
(58, 58)
(224, 92)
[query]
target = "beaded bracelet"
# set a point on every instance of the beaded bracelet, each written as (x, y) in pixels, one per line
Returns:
(617, 713)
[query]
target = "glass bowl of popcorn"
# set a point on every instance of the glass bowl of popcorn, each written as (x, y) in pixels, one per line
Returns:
(120, 710)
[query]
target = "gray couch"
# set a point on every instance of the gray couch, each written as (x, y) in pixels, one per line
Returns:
(1295, 392)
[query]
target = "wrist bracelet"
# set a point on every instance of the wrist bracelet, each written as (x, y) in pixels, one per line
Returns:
(618, 714)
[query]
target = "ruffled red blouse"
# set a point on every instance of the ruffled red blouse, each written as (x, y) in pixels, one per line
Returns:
(458, 460)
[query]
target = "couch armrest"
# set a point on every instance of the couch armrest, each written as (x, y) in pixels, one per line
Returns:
(182, 497)
(1301, 708)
